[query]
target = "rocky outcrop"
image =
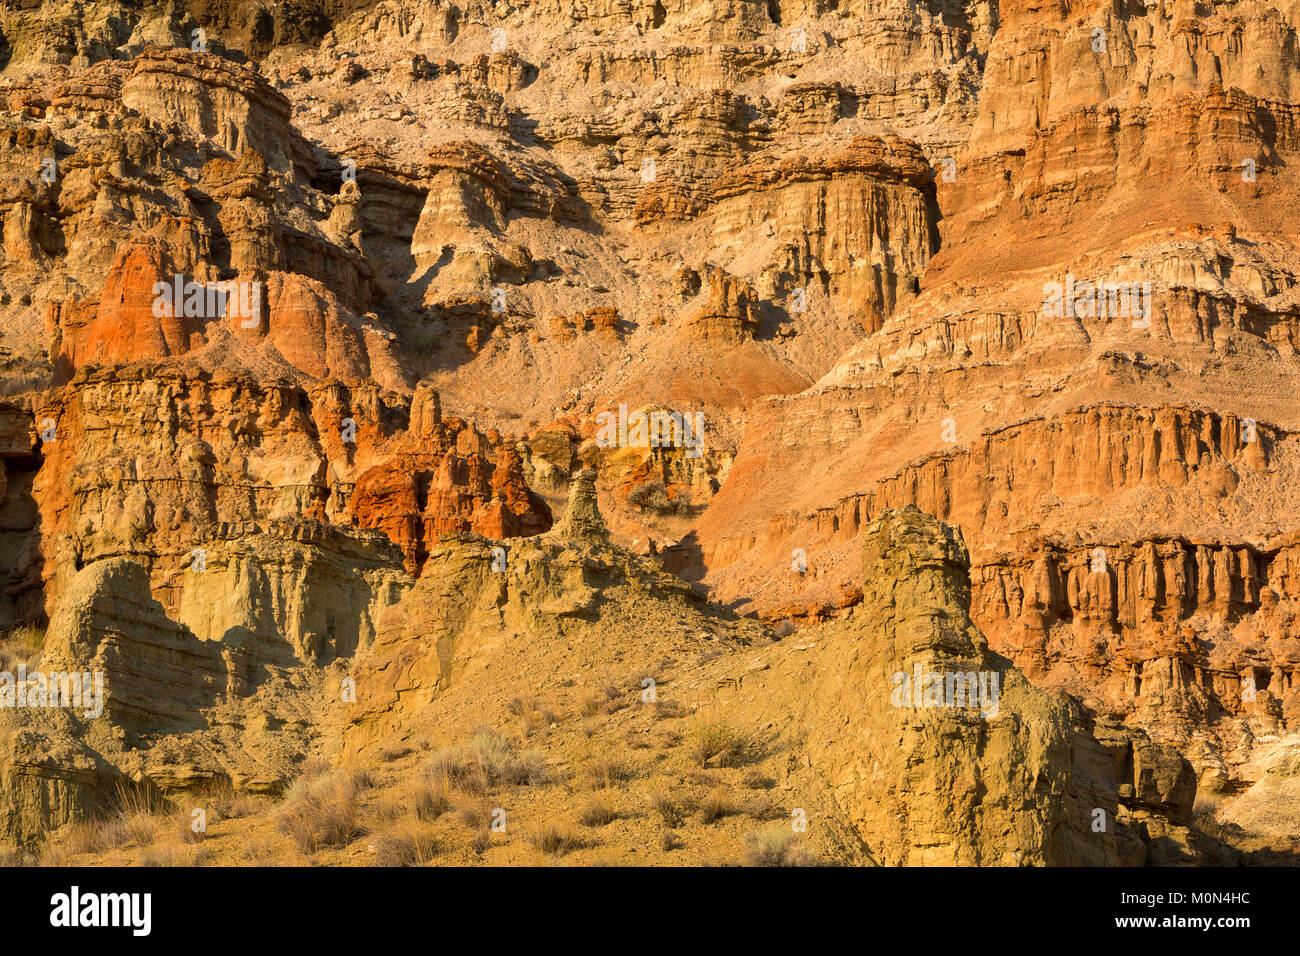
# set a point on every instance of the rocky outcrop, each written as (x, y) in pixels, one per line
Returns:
(731, 313)
(959, 771)
(157, 675)
(154, 461)
(229, 689)
(232, 106)
(482, 604)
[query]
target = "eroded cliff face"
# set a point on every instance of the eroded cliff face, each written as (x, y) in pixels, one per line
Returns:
(307, 308)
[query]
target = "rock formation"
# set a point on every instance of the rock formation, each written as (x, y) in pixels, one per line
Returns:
(978, 326)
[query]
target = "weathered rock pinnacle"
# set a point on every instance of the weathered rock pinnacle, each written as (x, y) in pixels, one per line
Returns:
(582, 518)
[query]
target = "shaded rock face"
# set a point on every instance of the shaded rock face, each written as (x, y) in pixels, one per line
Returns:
(248, 608)
(158, 674)
(235, 689)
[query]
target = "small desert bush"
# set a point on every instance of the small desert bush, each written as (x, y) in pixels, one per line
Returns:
(762, 807)
(172, 855)
(453, 768)
(314, 767)
(475, 811)
(427, 795)
(489, 760)
(775, 846)
(612, 695)
(719, 740)
(657, 498)
(258, 850)
(138, 814)
(222, 801)
(183, 826)
(532, 715)
(93, 836)
(395, 752)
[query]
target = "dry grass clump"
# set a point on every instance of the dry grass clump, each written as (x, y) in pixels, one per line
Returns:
(555, 839)
(761, 806)
(775, 846)
(395, 752)
(427, 794)
(475, 811)
(222, 801)
(260, 850)
(173, 855)
(136, 815)
(667, 810)
(139, 816)
(322, 809)
(597, 811)
(488, 761)
(532, 715)
(22, 645)
(408, 842)
(716, 804)
(719, 740)
(614, 695)
(608, 770)
(90, 837)
(190, 827)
